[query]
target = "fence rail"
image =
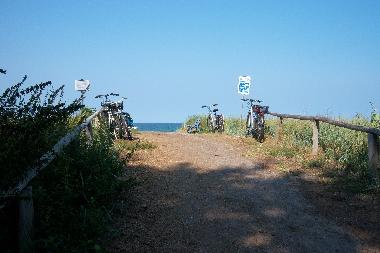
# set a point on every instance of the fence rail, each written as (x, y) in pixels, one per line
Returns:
(24, 192)
(373, 137)
(369, 130)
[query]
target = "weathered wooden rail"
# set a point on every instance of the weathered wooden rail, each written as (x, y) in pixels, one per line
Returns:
(23, 192)
(373, 137)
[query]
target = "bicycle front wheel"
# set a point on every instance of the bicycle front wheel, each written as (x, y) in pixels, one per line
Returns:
(210, 125)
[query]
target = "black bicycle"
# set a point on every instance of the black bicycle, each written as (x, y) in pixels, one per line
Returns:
(119, 123)
(255, 124)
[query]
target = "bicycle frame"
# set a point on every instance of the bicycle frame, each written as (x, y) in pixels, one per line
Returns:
(116, 120)
(255, 119)
(215, 122)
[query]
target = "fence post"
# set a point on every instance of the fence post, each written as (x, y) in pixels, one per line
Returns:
(25, 224)
(315, 125)
(89, 132)
(279, 129)
(373, 157)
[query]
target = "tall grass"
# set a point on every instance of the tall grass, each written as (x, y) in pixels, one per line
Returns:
(234, 126)
(344, 150)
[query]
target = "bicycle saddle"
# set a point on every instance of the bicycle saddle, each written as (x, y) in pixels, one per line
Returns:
(215, 110)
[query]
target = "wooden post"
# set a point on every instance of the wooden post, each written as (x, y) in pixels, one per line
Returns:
(97, 120)
(279, 129)
(89, 132)
(373, 157)
(315, 125)
(25, 225)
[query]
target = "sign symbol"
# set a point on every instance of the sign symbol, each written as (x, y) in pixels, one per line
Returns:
(244, 85)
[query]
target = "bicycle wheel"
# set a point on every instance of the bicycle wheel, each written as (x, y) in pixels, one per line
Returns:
(221, 124)
(248, 125)
(118, 128)
(125, 129)
(112, 125)
(260, 130)
(128, 133)
(210, 125)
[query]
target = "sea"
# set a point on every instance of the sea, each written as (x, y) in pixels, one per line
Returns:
(158, 127)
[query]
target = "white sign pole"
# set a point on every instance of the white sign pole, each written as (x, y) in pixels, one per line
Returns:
(244, 85)
(82, 86)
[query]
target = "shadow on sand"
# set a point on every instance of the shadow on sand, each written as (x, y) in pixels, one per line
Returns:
(184, 209)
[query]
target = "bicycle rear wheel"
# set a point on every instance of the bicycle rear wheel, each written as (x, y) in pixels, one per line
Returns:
(221, 124)
(248, 125)
(261, 130)
(126, 130)
(118, 128)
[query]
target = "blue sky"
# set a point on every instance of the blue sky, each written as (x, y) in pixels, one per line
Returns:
(171, 57)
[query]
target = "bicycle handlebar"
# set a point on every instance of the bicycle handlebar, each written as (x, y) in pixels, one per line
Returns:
(106, 95)
(252, 100)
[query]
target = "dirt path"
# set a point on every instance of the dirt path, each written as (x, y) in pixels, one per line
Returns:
(197, 193)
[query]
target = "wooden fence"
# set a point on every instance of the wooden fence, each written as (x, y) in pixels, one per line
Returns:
(373, 137)
(23, 192)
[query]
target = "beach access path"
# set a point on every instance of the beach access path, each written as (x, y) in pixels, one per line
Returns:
(199, 193)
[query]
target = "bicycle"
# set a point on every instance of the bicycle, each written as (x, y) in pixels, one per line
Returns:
(214, 121)
(118, 122)
(194, 128)
(255, 124)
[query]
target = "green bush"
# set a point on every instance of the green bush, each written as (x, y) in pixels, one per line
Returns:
(31, 121)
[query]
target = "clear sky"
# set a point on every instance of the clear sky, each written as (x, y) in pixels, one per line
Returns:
(171, 57)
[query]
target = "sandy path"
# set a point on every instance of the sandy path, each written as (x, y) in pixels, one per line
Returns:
(197, 193)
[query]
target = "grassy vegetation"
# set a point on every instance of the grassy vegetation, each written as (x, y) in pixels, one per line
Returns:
(73, 196)
(342, 160)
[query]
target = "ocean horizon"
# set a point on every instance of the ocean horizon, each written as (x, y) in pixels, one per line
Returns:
(158, 127)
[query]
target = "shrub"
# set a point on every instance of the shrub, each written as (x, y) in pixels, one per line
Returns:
(31, 121)
(72, 195)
